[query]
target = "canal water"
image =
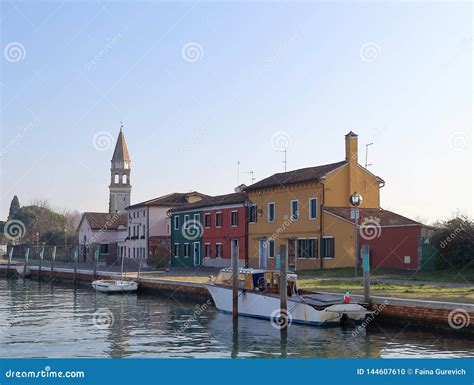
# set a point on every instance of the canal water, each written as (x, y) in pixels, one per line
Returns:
(44, 320)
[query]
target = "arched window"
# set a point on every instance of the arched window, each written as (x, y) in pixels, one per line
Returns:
(124, 179)
(116, 178)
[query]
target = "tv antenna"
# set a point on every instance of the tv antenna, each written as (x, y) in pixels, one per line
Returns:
(284, 161)
(251, 175)
(367, 154)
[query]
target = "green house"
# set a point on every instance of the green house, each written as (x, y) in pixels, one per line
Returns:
(186, 238)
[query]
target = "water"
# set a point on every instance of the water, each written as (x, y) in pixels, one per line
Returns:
(42, 320)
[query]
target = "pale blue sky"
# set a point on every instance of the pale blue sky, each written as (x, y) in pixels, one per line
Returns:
(303, 68)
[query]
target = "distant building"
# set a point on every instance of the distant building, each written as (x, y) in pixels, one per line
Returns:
(120, 187)
(148, 228)
(208, 232)
(101, 231)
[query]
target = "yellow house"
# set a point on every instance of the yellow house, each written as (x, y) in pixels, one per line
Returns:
(288, 209)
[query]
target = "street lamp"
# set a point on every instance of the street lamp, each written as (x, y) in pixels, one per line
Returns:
(356, 200)
(37, 242)
(65, 242)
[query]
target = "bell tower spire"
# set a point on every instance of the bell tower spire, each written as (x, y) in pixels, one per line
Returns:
(120, 187)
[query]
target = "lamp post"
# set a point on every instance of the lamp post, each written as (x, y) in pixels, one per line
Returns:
(65, 242)
(37, 242)
(356, 200)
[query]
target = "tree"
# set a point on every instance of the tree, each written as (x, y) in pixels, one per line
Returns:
(14, 207)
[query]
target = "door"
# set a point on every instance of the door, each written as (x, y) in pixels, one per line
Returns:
(262, 253)
(292, 253)
(197, 254)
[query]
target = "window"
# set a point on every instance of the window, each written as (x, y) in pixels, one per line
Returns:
(294, 211)
(253, 214)
(218, 250)
(313, 208)
(186, 221)
(207, 220)
(176, 250)
(271, 212)
(186, 249)
(307, 248)
(176, 222)
(328, 247)
(116, 178)
(144, 214)
(271, 248)
(234, 217)
(207, 250)
(104, 248)
(124, 179)
(197, 218)
(218, 219)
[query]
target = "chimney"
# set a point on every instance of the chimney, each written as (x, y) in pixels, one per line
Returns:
(351, 147)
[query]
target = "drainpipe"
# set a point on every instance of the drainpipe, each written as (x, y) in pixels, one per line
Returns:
(246, 238)
(321, 231)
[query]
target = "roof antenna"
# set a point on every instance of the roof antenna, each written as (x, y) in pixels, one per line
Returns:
(121, 125)
(284, 161)
(251, 175)
(367, 154)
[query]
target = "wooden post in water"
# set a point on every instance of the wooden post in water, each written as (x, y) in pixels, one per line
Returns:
(139, 270)
(235, 282)
(283, 288)
(96, 262)
(75, 266)
(53, 257)
(366, 270)
(40, 263)
(10, 255)
(25, 266)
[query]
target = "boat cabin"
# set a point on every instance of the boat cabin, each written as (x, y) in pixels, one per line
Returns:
(259, 280)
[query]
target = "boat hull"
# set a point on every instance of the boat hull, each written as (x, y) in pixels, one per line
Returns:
(111, 286)
(264, 306)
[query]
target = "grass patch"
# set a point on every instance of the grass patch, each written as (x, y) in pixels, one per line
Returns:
(427, 292)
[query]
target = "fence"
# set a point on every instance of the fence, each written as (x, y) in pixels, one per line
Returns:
(63, 253)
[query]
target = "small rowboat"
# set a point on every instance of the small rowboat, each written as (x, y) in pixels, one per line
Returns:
(114, 286)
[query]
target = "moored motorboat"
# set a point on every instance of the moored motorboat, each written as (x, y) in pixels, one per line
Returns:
(259, 297)
(114, 286)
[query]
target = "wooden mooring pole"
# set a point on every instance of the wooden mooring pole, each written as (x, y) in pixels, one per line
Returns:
(235, 282)
(25, 266)
(283, 288)
(53, 258)
(366, 270)
(75, 266)
(40, 263)
(96, 262)
(10, 256)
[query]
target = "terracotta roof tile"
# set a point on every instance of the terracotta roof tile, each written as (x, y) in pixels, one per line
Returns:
(106, 221)
(383, 217)
(308, 174)
(218, 200)
(169, 200)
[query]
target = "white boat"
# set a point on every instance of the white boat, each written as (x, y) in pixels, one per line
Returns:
(259, 297)
(115, 286)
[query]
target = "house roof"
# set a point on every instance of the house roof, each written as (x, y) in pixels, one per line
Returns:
(169, 200)
(105, 221)
(121, 150)
(219, 200)
(384, 218)
(308, 174)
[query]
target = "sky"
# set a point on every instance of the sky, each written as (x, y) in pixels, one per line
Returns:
(202, 85)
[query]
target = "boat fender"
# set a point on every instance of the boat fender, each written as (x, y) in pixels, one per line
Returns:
(347, 297)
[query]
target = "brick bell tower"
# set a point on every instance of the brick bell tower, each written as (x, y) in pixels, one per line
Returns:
(120, 187)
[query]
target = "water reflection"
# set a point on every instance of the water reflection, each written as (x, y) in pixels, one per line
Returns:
(42, 320)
